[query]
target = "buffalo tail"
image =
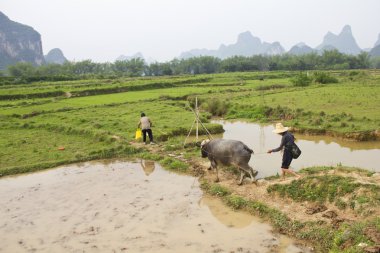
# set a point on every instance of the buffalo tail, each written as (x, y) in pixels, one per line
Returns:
(248, 149)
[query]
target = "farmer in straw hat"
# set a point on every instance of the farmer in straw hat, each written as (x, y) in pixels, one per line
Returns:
(286, 142)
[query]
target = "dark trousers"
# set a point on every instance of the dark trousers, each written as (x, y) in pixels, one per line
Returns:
(286, 159)
(149, 131)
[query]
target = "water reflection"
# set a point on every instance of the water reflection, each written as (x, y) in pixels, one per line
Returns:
(147, 166)
(226, 215)
(316, 150)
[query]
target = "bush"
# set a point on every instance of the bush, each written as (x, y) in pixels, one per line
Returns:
(301, 80)
(323, 77)
(216, 107)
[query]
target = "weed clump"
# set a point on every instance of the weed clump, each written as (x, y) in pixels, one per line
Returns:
(324, 78)
(236, 202)
(301, 80)
(216, 107)
(215, 189)
(349, 236)
(174, 164)
(342, 191)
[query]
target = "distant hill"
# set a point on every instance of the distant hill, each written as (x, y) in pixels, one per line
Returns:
(19, 42)
(135, 56)
(378, 41)
(55, 56)
(127, 58)
(375, 51)
(300, 49)
(246, 45)
(343, 42)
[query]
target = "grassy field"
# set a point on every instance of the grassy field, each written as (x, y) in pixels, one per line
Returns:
(46, 124)
(103, 113)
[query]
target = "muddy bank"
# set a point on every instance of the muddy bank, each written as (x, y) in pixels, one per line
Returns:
(118, 206)
(371, 135)
(353, 136)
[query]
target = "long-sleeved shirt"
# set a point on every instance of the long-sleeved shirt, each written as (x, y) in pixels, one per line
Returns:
(286, 141)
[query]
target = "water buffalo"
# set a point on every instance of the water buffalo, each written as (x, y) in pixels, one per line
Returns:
(229, 152)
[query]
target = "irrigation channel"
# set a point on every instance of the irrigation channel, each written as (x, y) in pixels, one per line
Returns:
(316, 150)
(123, 206)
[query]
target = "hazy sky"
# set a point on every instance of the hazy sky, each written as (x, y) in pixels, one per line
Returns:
(102, 30)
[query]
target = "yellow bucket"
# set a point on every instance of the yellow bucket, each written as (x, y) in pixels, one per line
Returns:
(138, 134)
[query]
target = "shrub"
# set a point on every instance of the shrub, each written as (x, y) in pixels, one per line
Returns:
(301, 80)
(323, 77)
(216, 107)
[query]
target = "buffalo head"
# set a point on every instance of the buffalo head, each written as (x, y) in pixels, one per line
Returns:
(203, 148)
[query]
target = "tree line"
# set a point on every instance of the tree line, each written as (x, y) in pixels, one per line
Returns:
(328, 60)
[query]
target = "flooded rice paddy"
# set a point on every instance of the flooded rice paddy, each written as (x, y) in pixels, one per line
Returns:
(316, 150)
(119, 206)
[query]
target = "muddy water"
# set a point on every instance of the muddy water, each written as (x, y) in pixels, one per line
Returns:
(316, 150)
(119, 206)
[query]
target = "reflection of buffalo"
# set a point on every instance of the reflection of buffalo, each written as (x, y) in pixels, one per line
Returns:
(147, 166)
(229, 152)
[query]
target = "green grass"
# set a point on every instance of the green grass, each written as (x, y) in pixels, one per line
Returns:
(92, 117)
(110, 99)
(343, 192)
(174, 164)
(349, 106)
(87, 130)
(79, 87)
(32, 149)
(121, 120)
(349, 236)
(326, 169)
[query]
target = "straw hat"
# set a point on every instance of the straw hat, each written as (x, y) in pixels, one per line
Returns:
(280, 128)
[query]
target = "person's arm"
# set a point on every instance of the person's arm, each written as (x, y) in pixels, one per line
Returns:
(138, 126)
(150, 122)
(280, 147)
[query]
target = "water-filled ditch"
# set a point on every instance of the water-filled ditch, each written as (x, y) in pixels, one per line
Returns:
(316, 150)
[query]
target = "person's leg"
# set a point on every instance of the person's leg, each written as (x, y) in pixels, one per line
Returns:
(283, 173)
(290, 171)
(150, 133)
(144, 135)
(286, 160)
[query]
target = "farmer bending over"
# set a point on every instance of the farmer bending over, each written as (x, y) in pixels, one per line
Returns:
(286, 143)
(146, 124)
